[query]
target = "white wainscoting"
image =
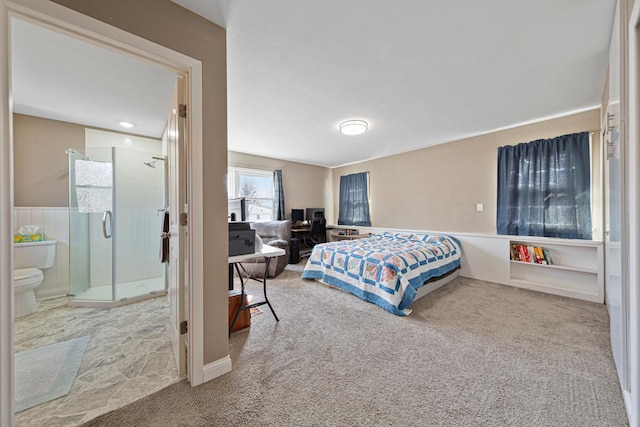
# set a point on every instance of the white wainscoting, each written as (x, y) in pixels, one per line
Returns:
(54, 222)
(578, 273)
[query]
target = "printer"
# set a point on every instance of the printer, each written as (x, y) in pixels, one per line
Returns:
(242, 238)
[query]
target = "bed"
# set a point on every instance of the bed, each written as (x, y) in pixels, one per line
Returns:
(389, 269)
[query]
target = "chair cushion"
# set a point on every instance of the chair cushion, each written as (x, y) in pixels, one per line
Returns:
(271, 230)
(273, 233)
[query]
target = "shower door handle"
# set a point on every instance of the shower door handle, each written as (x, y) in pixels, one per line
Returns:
(165, 235)
(104, 224)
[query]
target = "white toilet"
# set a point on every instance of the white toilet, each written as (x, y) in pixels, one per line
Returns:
(30, 259)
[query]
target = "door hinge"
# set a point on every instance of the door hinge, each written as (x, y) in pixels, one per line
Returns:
(183, 327)
(182, 110)
(183, 218)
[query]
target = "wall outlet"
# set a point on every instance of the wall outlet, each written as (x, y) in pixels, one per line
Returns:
(479, 207)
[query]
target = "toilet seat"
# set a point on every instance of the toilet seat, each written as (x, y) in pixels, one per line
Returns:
(27, 276)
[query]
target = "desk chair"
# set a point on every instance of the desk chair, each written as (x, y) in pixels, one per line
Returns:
(318, 229)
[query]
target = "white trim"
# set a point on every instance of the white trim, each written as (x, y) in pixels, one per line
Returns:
(196, 227)
(6, 225)
(555, 240)
(83, 27)
(233, 174)
(632, 401)
(217, 369)
(532, 286)
(626, 396)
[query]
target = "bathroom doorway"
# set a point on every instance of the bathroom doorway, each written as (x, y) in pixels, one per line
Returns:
(53, 16)
(180, 298)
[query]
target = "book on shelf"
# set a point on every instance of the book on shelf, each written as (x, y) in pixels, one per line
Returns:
(540, 255)
(534, 255)
(521, 253)
(515, 256)
(531, 254)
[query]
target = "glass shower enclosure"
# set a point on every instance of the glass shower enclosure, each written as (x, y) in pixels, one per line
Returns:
(116, 197)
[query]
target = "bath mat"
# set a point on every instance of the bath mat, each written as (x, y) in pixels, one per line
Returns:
(46, 373)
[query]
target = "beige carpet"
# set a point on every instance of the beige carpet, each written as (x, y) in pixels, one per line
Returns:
(471, 354)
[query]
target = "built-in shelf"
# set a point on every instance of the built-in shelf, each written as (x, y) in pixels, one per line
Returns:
(577, 270)
(557, 291)
(560, 267)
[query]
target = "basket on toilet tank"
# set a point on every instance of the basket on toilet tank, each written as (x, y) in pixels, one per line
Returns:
(20, 238)
(29, 233)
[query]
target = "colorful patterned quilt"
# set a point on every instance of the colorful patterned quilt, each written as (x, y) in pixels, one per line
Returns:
(385, 269)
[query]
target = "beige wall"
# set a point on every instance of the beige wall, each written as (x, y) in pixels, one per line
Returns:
(305, 186)
(168, 24)
(41, 172)
(41, 176)
(437, 188)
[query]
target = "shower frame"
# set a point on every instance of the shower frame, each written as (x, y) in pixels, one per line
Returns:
(108, 226)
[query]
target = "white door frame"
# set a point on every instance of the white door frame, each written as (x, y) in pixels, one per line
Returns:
(70, 22)
(633, 221)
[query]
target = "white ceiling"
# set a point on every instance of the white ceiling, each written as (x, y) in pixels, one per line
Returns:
(420, 72)
(57, 77)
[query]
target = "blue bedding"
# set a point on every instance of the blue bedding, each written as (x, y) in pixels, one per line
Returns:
(385, 269)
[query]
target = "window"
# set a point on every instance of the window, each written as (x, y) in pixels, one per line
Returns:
(354, 200)
(544, 188)
(256, 186)
(93, 182)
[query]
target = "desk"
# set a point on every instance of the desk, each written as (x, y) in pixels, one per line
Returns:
(301, 232)
(336, 236)
(267, 252)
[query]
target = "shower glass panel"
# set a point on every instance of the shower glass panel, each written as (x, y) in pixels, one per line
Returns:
(115, 197)
(90, 202)
(139, 196)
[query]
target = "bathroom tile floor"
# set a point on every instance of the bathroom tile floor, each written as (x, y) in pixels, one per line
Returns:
(129, 356)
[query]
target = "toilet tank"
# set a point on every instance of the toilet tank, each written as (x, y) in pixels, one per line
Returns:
(35, 254)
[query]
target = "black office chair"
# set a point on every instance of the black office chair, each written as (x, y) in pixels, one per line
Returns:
(318, 229)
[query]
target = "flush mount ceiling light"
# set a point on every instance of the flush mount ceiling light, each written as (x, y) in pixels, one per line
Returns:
(126, 125)
(353, 127)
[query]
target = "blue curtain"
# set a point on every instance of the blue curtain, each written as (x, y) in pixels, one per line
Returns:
(544, 188)
(354, 200)
(278, 196)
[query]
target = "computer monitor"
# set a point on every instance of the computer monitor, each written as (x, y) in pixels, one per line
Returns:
(237, 209)
(297, 215)
(311, 213)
